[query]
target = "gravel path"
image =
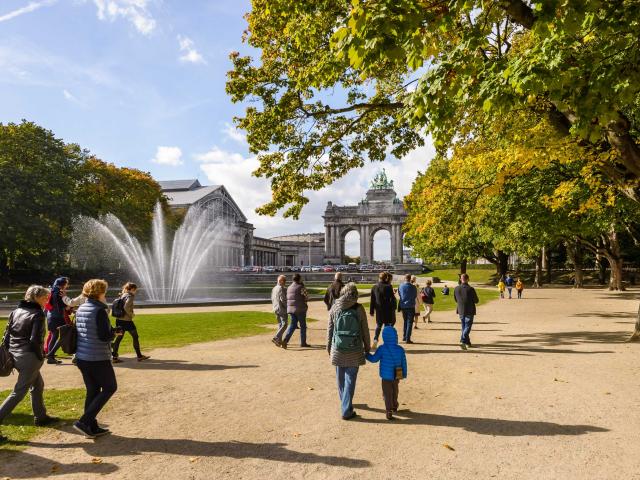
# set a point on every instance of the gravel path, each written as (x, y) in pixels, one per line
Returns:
(550, 392)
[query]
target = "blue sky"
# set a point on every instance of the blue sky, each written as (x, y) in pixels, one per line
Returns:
(140, 83)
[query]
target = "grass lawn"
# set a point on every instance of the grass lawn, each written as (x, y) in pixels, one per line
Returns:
(177, 330)
(480, 275)
(446, 303)
(19, 428)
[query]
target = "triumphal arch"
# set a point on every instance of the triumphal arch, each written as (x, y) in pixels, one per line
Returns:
(381, 209)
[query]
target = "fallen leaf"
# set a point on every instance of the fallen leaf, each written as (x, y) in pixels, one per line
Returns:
(54, 468)
(436, 395)
(498, 398)
(96, 460)
(448, 447)
(607, 393)
(297, 434)
(193, 459)
(310, 388)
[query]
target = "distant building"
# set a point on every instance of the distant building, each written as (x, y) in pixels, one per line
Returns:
(379, 210)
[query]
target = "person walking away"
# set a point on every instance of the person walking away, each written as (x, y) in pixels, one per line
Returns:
(124, 322)
(519, 287)
(393, 368)
(24, 339)
(297, 306)
(501, 288)
(428, 295)
(466, 299)
(509, 282)
(383, 303)
(418, 307)
(58, 307)
(348, 341)
(279, 305)
(333, 291)
(93, 356)
(407, 305)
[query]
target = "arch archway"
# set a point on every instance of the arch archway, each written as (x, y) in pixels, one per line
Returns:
(350, 244)
(381, 246)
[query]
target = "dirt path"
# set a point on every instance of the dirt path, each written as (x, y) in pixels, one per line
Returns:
(552, 391)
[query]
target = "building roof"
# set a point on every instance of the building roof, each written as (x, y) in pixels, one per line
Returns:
(189, 197)
(179, 185)
(301, 237)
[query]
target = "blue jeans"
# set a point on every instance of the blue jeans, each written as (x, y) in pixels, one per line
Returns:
(509, 288)
(346, 377)
(408, 315)
(467, 323)
(295, 319)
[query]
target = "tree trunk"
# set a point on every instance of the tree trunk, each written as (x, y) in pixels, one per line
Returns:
(548, 262)
(636, 334)
(537, 282)
(602, 269)
(503, 263)
(463, 266)
(614, 257)
(576, 257)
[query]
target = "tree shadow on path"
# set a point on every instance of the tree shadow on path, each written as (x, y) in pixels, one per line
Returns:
(481, 426)
(116, 445)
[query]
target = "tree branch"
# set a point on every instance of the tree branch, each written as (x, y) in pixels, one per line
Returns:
(519, 12)
(357, 106)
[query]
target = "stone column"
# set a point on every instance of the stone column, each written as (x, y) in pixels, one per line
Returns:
(337, 252)
(327, 241)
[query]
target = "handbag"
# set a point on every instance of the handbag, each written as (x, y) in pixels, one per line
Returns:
(68, 338)
(6, 359)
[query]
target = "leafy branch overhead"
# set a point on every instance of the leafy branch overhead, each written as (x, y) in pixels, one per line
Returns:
(340, 83)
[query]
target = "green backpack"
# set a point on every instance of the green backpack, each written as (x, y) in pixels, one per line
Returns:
(346, 331)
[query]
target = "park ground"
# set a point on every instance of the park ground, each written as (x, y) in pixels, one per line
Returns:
(550, 392)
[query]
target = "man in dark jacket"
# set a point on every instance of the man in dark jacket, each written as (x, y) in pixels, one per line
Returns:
(333, 292)
(297, 307)
(466, 298)
(408, 294)
(383, 303)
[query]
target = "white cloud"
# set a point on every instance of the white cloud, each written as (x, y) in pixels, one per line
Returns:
(135, 11)
(189, 52)
(30, 7)
(171, 156)
(70, 97)
(233, 170)
(233, 133)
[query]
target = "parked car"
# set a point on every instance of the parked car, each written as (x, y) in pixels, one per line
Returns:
(316, 268)
(305, 268)
(328, 268)
(247, 269)
(341, 268)
(269, 269)
(352, 267)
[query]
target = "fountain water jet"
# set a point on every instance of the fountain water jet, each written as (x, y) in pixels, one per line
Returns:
(166, 274)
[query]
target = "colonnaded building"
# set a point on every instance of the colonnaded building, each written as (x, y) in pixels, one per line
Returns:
(381, 209)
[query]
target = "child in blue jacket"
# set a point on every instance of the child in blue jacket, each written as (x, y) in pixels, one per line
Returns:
(391, 357)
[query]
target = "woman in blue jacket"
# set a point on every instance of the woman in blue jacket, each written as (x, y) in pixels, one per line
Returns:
(392, 358)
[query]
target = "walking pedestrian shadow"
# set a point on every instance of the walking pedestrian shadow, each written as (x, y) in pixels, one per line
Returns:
(18, 464)
(116, 445)
(482, 426)
(157, 364)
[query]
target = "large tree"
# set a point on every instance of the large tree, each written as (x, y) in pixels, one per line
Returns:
(45, 183)
(339, 83)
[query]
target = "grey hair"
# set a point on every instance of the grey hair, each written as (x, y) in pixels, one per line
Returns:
(349, 290)
(34, 292)
(338, 276)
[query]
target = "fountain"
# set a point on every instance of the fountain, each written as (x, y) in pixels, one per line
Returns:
(165, 273)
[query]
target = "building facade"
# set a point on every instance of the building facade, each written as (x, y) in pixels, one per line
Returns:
(239, 247)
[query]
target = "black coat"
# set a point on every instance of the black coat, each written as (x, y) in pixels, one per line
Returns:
(26, 329)
(383, 303)
(466, 298)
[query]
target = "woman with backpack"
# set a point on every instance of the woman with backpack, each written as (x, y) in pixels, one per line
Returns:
(24, 340)
(348, 340)
(122, 309)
